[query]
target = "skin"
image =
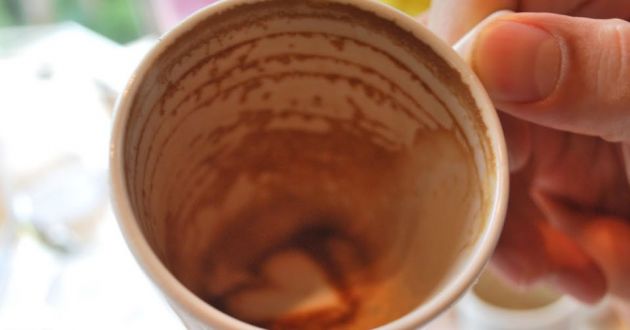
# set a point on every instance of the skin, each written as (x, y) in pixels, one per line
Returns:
(568, 135)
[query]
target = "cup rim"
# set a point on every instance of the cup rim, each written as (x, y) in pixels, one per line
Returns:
(182, 298)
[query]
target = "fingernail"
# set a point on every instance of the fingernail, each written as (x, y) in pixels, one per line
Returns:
(517, 62)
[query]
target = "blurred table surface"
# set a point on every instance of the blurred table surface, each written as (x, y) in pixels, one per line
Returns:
(68, 266)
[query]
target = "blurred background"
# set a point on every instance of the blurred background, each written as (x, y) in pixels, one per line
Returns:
(63, 262)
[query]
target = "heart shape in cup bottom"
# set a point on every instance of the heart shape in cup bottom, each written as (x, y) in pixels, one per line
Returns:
(297, 288)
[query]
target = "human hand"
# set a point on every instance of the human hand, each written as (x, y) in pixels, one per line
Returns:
(562, 84)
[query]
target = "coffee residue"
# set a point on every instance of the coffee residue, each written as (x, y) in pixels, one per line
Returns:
(281, 184)
(333, 198)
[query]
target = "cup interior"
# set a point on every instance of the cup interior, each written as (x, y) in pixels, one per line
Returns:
(307, 162)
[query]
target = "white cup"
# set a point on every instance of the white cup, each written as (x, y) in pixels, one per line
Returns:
(354, 52)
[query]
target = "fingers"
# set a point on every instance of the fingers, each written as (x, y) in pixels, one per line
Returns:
(559, 213)
(519, 141)
(571, 74)
(571, 269)
(451, 19)
(531, 250)
(599, 9)
(568, 7)
(625, 149)
(534, 251)
(584, 8)
(604, 238)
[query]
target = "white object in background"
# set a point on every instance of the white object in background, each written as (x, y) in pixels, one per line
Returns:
(101, 288)
(7, 228)
(601, 316)
(476, 314)
(55, 129)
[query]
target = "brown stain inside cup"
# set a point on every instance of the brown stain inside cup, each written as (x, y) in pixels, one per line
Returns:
(344, 209)
(292, 228)
(301, 193)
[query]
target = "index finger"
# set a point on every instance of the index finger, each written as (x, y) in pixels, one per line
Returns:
(451, 19)
(531, 250)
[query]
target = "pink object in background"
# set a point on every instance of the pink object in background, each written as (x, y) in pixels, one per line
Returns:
(170, 12)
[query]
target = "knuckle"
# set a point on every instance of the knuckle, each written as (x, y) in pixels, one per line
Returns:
(613, 67)
(613, 78)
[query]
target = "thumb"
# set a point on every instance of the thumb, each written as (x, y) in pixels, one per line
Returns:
(567, 73)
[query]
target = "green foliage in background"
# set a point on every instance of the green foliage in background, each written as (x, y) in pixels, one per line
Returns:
(411, 7)
(115, 19)
(119, 20)
(6, 19)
